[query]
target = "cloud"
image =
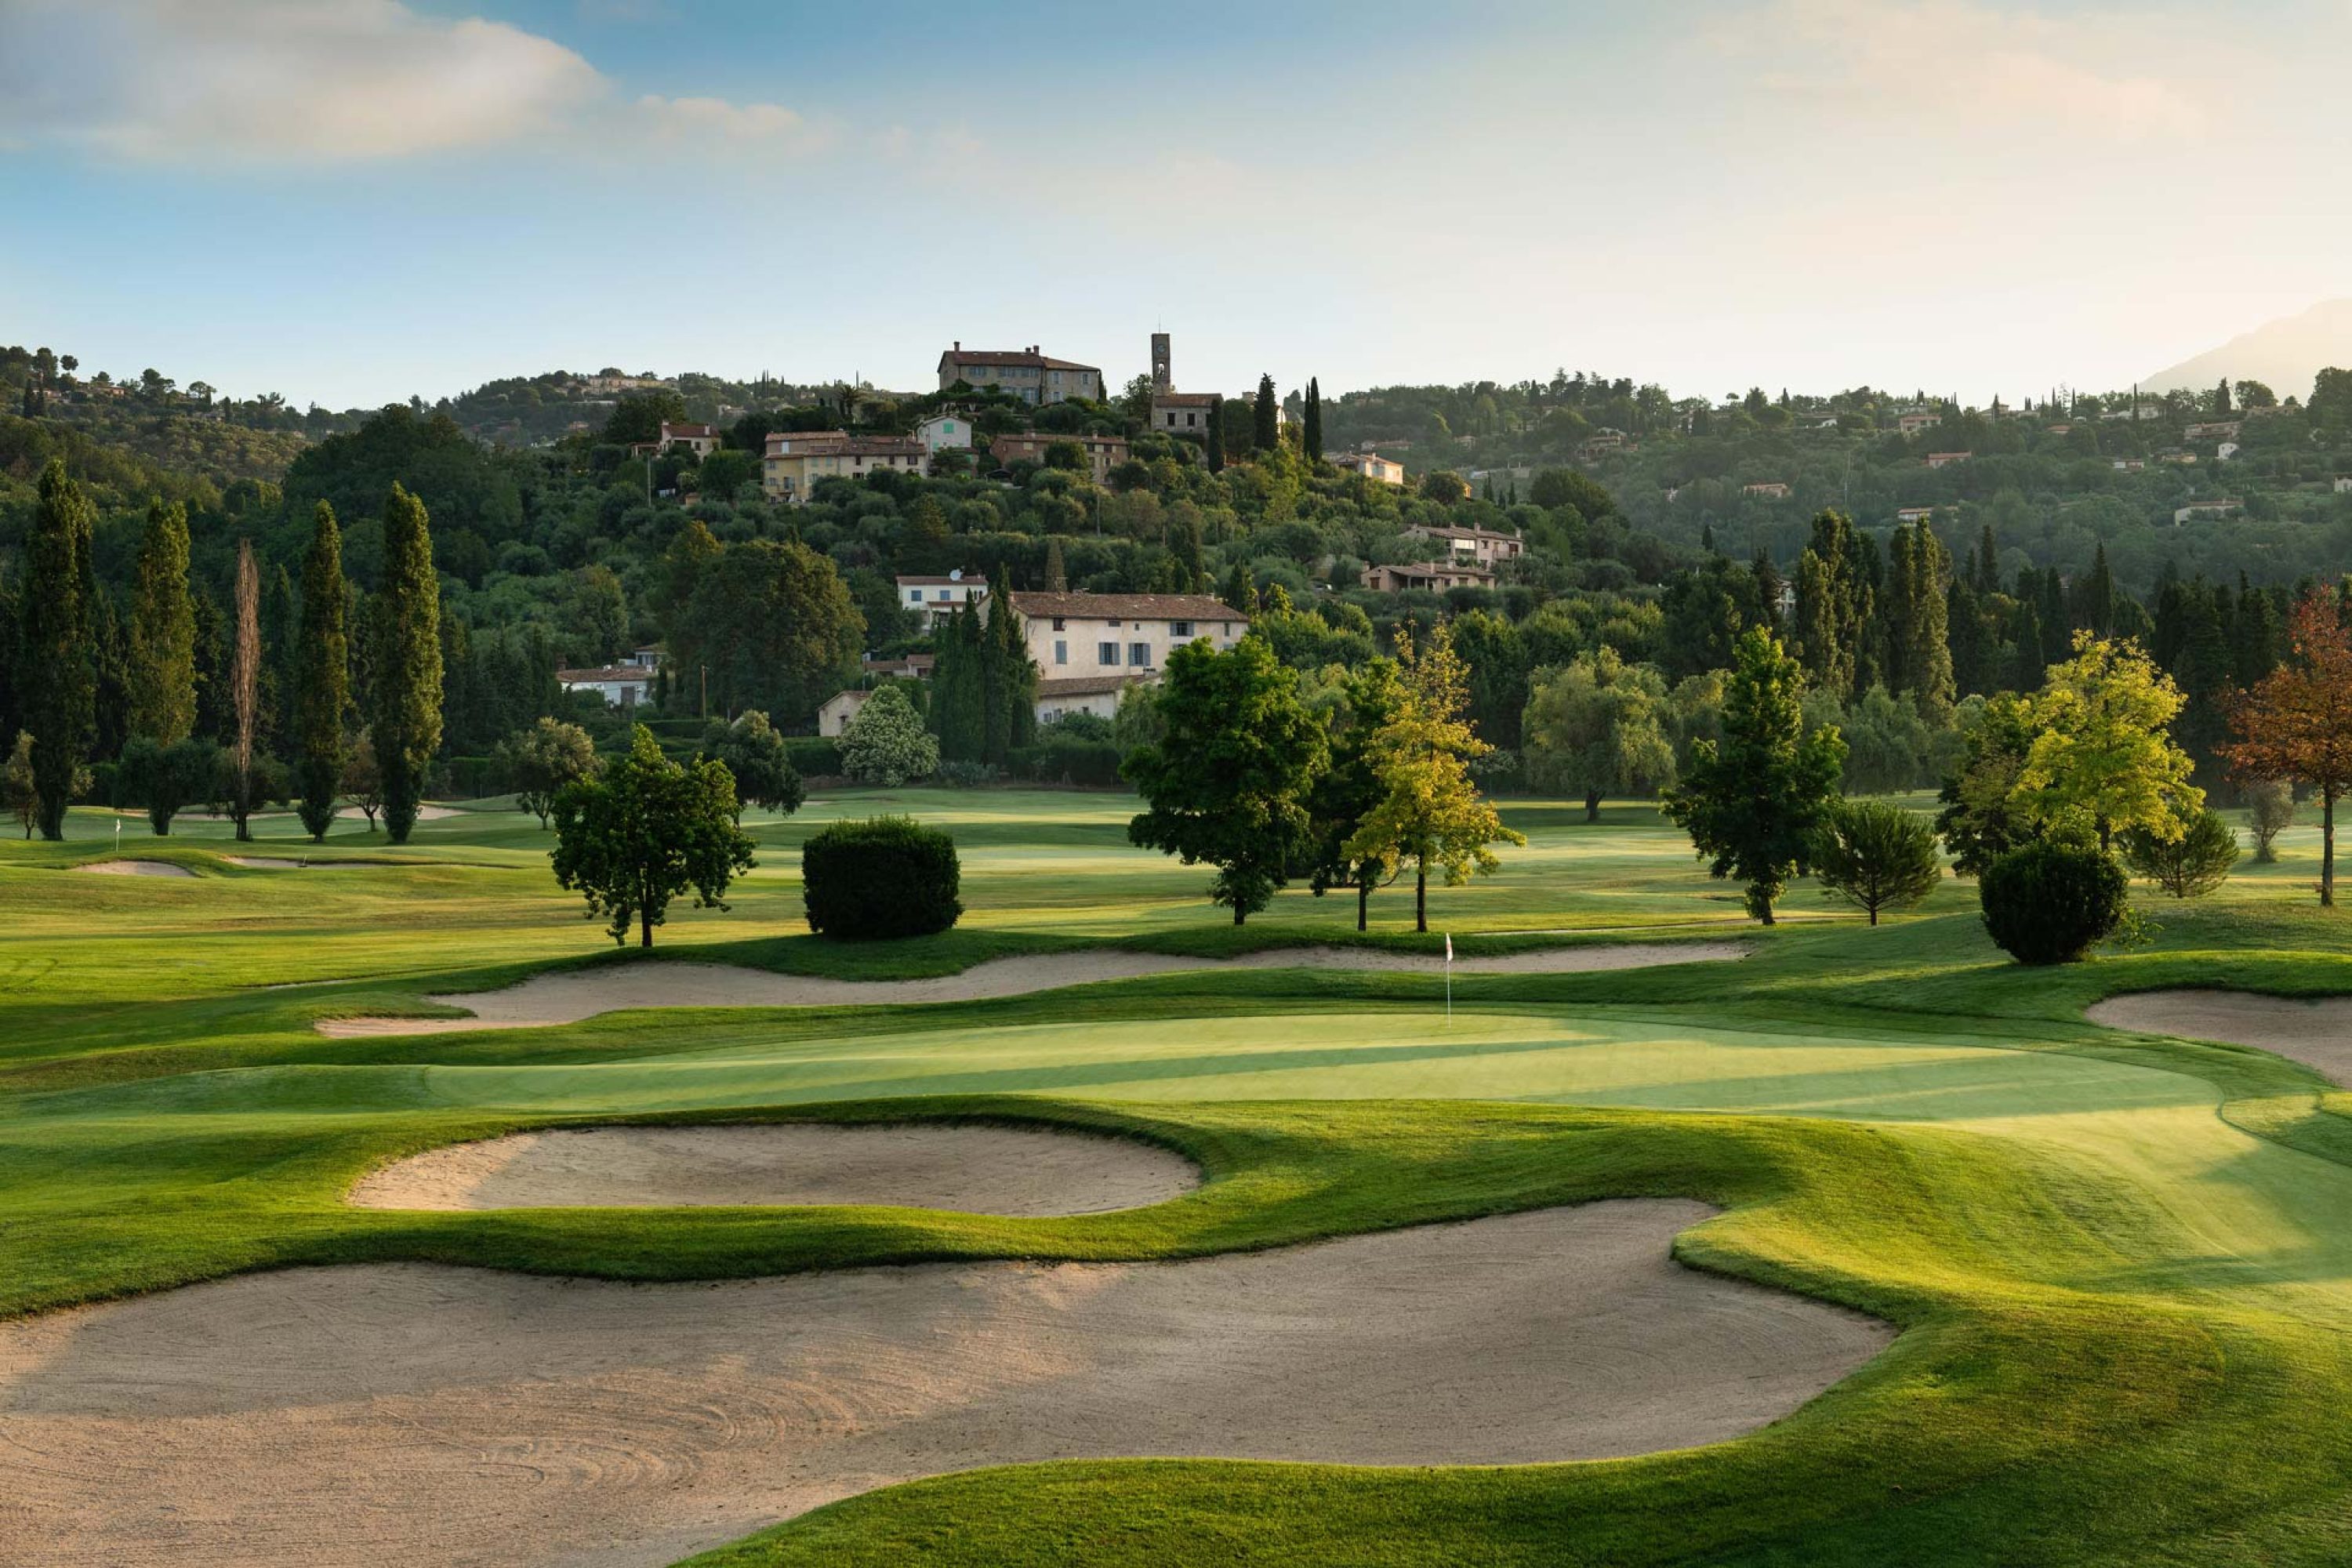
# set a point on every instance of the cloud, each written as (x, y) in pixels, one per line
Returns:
(716, 119)
(313, 82)
(1956, 66)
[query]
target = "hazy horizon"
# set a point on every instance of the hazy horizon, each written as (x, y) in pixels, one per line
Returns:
(354, 201)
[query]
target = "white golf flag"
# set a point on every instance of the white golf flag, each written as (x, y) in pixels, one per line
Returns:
(1449, 947)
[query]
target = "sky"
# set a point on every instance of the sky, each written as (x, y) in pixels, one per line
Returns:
(352, 201)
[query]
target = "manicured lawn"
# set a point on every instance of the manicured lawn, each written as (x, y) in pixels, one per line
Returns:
(2123, 1264)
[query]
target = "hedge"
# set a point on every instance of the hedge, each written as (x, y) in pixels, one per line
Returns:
(886, 877)
(1093, 764)
(813, 756)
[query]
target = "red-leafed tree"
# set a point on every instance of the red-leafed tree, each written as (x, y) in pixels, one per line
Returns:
(2296, 722)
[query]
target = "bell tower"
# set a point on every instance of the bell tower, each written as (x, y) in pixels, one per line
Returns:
(1161, 379)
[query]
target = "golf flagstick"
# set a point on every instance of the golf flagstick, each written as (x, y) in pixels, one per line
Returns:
(1449, 980)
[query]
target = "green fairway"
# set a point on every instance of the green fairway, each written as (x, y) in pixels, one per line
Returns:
(2123, 1265)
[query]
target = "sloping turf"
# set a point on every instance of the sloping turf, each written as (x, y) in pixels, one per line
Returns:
(2124, 1265)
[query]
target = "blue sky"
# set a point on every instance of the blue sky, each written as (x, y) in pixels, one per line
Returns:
(353, 200)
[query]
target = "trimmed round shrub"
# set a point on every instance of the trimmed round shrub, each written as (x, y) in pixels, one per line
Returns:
(2052, 903)
(887, 876)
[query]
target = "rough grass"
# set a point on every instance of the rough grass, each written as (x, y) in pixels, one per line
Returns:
(2123, 1264)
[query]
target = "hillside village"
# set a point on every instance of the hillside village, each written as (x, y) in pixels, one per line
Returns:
(579, 518)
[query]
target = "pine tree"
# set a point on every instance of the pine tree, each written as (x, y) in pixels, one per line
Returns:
(1215, 451)
(1266, 425)
(59, 673)
(161, 673)
(322, 676)
(406, 715)
(1314, 421)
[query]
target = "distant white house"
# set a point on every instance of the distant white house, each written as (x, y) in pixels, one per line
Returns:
(2223, 508)
(621, 685)
(935, 598)
(943, 432)
(1371, 466)
(2343, 484)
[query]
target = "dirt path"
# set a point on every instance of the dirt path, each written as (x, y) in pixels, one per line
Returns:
(975, 1170)
(2317, 1034)
(356, 1418)
(571, 995)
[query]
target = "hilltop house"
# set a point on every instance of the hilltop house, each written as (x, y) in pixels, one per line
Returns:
(1770, 489)
(1033, 377)
(796, 459)
(1103, 453)
(1433, 576)
(933, 599)
(1371, 466)
(943, 432)
(1943, 459)
(1470, 546)
(2225, 507)
(1912, 424)
(1097, 633)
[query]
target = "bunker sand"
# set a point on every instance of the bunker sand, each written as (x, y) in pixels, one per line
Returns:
(134, 868)
(325, 1417)
(2316, 1033)
(974, 1169)
(570, 996)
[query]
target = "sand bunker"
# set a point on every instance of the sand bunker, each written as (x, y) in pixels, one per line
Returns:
(2316, 1033)
(135, 868)
(278, 863)
(571, 995)
(975, 1169)
(323, 1417)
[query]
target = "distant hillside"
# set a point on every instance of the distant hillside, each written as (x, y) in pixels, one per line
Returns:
(2285, 354)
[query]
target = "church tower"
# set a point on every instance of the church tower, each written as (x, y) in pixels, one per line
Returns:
(1161, 378)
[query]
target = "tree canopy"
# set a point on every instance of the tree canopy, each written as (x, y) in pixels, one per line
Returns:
(645, 831)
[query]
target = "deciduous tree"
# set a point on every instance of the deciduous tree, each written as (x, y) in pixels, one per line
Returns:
(1594, 726)
(1430, 812)
(1350, 787)
(1229, 782)
(645, 831)
(1753, 802)
(2296, 722)
(545, 759)
(2101, 759)
(20, 796)
(755, 754)
(887, 745)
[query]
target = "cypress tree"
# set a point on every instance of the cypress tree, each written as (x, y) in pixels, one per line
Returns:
(247, 678)
(163, 654)
(2027, 664)
(1314, 421)
(323, 675)
(60, 664)
(1057, 576)
(1217, 437)
(1265, 427)
(1927, 650)
(1987, 582)
(405, 727)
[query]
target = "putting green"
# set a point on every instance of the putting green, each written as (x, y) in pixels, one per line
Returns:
(1666, 1064)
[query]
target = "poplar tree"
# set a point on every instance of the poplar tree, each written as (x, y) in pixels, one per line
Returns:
(59, 670)
(405, 717)
(322, 676)
(163, 654)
